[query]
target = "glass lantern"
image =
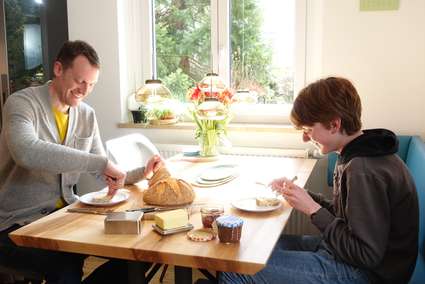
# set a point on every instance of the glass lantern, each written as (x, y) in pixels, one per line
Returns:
(153, 92)
(156, 98)
(212, 85)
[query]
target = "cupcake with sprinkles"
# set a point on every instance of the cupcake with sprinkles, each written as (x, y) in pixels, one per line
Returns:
(229, 228)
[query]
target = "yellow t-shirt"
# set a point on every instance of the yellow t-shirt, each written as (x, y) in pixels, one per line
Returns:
(61, 120)
(61, 123)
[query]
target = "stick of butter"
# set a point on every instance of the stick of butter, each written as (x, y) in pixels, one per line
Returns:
(172, 219)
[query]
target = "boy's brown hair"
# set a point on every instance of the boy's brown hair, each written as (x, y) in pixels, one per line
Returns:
(325, 100)
(71, 49)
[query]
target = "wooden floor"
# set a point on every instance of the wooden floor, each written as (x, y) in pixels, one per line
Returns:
(92, 262)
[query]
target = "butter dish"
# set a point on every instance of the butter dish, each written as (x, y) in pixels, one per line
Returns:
(163, 232)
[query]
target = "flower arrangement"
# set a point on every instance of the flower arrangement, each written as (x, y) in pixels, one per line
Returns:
(211, 114)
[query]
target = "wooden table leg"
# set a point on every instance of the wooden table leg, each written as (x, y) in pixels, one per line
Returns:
(182, 275)
(212, 278)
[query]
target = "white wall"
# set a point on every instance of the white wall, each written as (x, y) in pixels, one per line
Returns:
(383, 53)
(95, 21)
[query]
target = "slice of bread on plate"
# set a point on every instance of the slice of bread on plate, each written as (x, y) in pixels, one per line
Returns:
(267, 201)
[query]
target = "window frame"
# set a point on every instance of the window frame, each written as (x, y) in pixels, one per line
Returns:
(221, 58)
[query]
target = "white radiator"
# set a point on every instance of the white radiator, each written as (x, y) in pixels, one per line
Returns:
(169, 150)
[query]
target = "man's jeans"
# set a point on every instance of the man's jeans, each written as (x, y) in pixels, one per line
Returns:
(300, 259)
(58, 267)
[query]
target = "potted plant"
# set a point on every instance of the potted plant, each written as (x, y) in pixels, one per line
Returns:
(139, 115)
(138, 110)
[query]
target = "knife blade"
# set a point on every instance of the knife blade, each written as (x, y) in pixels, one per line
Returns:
(156, 209)
(149, 209)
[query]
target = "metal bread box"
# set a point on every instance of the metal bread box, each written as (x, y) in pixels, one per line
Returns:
(124, 223)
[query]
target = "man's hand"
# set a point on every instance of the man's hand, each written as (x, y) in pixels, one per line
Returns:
(296, 196)
(153, 165)
(114, 178)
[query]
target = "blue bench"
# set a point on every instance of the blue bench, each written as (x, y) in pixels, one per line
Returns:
(412, 152)
(415, 161)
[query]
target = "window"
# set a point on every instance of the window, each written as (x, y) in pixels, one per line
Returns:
(183, 43)
(254, 45)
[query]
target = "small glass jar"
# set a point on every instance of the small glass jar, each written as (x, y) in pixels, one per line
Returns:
(210, 213)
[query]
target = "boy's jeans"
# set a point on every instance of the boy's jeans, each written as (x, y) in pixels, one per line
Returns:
(300, 259)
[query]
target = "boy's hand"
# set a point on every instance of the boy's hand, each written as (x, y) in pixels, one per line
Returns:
(296, 196)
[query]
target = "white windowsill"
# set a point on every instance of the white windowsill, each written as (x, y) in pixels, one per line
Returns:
(278, 128)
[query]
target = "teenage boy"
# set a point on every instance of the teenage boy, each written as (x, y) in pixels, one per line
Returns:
(369, 231)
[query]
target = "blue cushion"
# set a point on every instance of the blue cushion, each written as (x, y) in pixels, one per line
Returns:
(415, 161)
(331, 166)
(403, 146)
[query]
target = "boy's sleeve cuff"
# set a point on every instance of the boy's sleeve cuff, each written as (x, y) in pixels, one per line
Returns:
(322, 218)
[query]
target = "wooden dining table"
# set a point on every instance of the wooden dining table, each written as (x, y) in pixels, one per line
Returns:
(84, 233)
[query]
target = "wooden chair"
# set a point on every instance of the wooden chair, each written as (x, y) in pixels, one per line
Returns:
(130, 151)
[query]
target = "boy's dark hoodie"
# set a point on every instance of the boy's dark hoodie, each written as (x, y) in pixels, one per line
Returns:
(372, 221)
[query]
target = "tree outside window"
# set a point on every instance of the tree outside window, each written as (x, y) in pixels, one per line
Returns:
(183, 40)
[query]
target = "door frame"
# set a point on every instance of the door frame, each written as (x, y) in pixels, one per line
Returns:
(4, 70)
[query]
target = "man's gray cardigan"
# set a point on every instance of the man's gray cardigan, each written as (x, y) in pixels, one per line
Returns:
(35, 169)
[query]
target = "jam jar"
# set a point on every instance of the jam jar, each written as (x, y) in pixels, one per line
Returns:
(210, 213)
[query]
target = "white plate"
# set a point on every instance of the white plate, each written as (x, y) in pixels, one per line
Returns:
(120, 196)
(210, 182)
(218, 173)
(201, 183)
(250, 204)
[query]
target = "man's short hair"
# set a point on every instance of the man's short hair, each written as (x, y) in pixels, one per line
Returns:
(325, 100)
(71, 49)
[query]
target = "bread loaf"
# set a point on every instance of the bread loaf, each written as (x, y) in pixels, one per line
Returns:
(165, 190)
